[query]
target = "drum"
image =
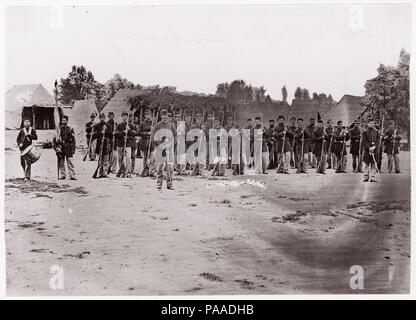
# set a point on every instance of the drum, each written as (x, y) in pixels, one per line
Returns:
(31, 154)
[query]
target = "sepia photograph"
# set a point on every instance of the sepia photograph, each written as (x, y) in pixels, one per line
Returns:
(207, 150)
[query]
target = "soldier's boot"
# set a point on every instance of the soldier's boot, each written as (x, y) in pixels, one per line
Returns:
(365, 178)
(373, 179)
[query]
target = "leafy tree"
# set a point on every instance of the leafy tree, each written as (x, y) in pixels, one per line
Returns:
(79, 85)
(298, 93)
(116, 83)
(284, 94)
(387, 95)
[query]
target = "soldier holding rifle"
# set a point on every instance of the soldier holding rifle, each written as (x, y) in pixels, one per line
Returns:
(392, 144)
(370, 139)
(104, 136)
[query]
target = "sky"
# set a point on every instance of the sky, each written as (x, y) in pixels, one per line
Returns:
(332, 49)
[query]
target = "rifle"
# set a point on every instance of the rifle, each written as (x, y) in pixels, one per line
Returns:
(321, 165)
(341, 164)
(330, 148)
(57, 124)
(360, 152)
(147, 165)
(122, 171)
(282, 153)
(114, 142)
(89, 145)
(300, 164)
(379, 144)
(394, 140)
(100, 159)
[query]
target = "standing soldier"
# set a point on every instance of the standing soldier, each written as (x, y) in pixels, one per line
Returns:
(292, 129)
(145, 130)
(283, 148)
(138, 138)
(341, 137)
(133, 143)
(104, 136)
(271, 145)
(90, 141)
(310, 129)
(302, 138)
(392, 144)
(329, 147)
(24, 139)
(370, 139)
(65, 149)
(164, 157)
(124, 129)
(355, 136)
(319, 142)
(113, 145)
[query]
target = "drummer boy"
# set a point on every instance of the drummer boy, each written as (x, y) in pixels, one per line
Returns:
(26, 135)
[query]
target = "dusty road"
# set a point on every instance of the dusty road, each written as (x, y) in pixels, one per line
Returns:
(273, 234)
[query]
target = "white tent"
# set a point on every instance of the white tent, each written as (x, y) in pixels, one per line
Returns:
(78, 116)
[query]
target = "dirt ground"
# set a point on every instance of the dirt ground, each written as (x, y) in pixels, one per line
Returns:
(268, 234)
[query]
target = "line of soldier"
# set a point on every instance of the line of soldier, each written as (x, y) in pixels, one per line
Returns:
(282, 147)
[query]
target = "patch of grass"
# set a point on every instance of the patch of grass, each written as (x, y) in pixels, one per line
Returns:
(211, 277)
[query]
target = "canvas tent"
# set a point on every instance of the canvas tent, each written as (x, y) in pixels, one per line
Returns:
(31, 100)
(78, 116)
(348, 109)
(119, 102)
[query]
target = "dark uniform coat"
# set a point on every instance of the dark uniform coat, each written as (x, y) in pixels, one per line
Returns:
(329, 146)
(370, 138)
(318, 137)
(108, 137)
(299, 135)
(144, 131)
(355, 136)
(26, 140)
(388, 142)
(339, 142)
(67, 141)
(121, 135)
(112, 127)
(278, 135)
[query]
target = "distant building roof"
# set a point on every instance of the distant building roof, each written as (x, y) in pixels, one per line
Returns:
(348, 109)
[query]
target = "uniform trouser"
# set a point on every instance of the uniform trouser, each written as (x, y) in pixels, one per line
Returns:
(126, 158)
(393, 158)
(284, 162)
(133, 159)
(92, 149)
(343, 165)
(219, 169)
(302, 163)
(370, 170)
(331, 159)
(169, 173)
(312, 159)
(113, 161)
(148, 159)
(26, 165)
(61, 167)
(103, 164)
(354, 161)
